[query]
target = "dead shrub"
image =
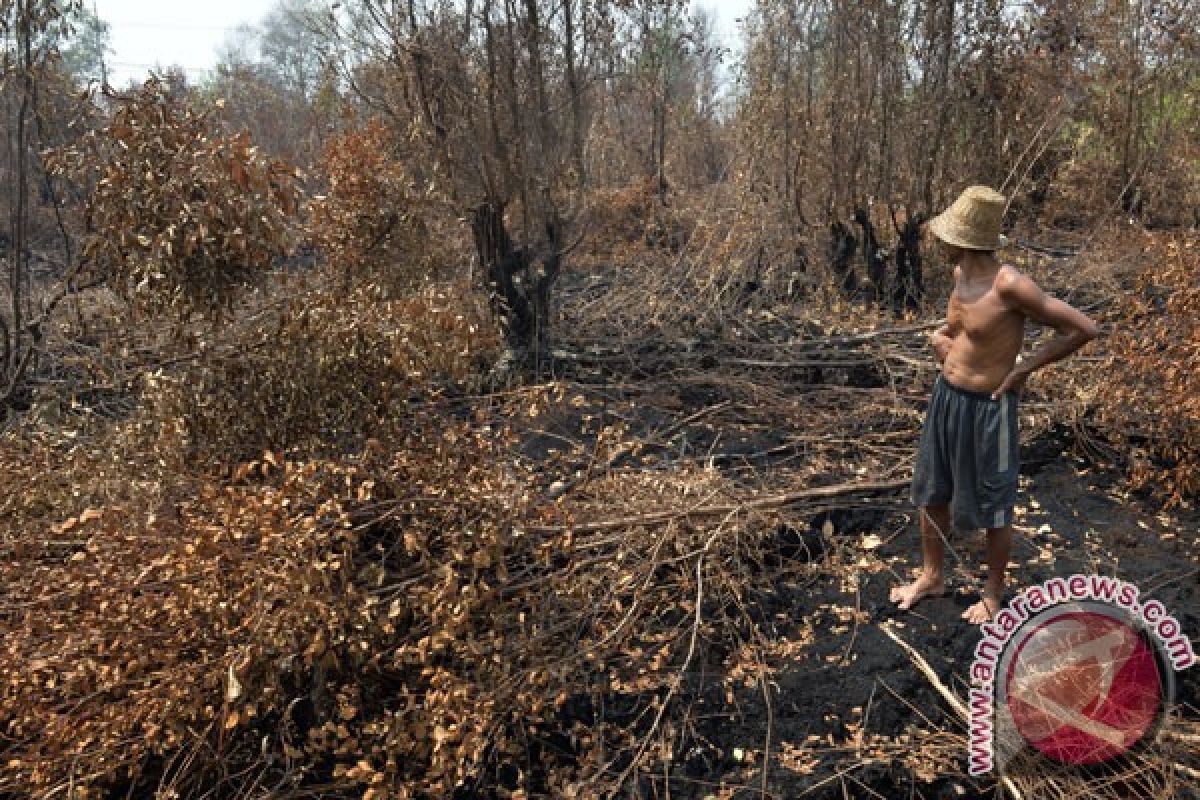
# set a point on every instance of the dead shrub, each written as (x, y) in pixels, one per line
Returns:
(200, 635)
(377, 220)
(324, 371)
(178, 214)
(1151, 398)
(396, 622)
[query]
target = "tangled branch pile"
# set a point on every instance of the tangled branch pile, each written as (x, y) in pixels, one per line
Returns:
(411, 621)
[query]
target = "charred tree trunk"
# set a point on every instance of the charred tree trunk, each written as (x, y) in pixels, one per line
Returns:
(502, 265)
(518, 282)
(872, 256)
(842, 246)
(545, 273)
(909, 286)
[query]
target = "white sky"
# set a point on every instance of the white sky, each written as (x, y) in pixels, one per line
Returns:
(148, 34)
(728, 12)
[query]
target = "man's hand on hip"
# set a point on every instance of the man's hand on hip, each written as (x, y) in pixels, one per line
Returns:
(1014, 381)
(940, 343)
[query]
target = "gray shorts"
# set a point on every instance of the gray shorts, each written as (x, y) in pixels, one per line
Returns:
(968, 457)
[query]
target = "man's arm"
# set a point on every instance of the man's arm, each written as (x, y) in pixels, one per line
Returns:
(1073, 328)
(940, 340)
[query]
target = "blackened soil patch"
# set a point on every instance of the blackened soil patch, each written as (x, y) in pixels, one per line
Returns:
(849, 715)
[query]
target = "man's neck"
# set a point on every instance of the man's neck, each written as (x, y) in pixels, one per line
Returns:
(977, 266)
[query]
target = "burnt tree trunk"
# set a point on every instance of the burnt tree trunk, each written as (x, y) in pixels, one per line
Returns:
(518, 281)
(872, 256)
(842, 246)
(909, 286)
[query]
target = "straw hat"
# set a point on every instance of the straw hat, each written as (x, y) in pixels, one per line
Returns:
(973, 222)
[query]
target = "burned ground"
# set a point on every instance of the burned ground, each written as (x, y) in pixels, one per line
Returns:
(820, 693)
(659, 568)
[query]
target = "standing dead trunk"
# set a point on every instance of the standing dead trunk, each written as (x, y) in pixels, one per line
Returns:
(872, 255)
(842, 246)
(502, 264)
(518, 281)
(909, 286)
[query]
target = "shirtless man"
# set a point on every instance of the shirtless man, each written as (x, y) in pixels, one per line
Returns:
(967, 461)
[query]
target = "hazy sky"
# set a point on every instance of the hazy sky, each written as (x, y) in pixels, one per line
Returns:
(152, 33)
(158, 33)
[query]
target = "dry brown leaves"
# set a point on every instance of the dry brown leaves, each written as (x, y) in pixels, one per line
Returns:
(149, 629)
(390, 621)
(1151, 397)
(326, 368)
(178, 213)
(378, 219)
(399, 616)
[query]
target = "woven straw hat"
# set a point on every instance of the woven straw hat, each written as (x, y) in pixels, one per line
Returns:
(973, 222)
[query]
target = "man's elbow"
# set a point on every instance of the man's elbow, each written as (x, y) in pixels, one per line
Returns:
(1080, 333)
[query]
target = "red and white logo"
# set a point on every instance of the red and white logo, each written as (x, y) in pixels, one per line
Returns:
(1082, 684)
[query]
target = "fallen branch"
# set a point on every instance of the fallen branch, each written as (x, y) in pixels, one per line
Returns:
(757, 504)
(923, 667)
(809, 364)
(950, 697)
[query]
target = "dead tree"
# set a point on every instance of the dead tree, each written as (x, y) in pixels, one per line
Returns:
(909, 285)
(872, 256)
(842, 246)
(518, 280)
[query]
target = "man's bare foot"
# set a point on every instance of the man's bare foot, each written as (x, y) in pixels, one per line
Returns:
(924, 586)
(983, 611)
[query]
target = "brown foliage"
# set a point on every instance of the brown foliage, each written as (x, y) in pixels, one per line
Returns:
(374, 220)
(179, 214)
(169, 625)
(324, 370)
(394, 621)
(310, 562)
(119, 605)
(1151, 397)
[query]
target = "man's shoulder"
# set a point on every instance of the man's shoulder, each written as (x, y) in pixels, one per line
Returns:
(1011, 282)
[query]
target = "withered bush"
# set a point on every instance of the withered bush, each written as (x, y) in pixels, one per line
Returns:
(378, 219)
(324, 371)
(399, 622)
(631, 224)
(131, 644)
(170, 632)
(178, 214)
(1151, 398)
